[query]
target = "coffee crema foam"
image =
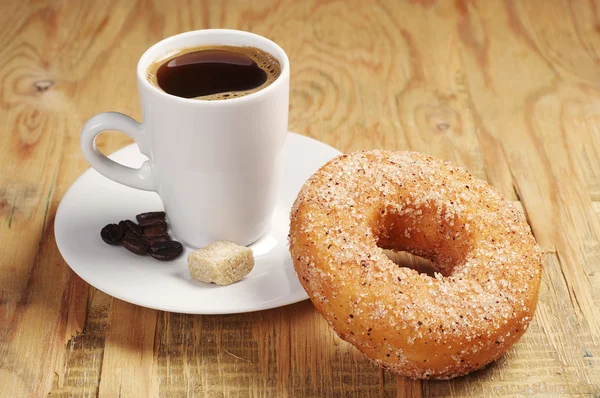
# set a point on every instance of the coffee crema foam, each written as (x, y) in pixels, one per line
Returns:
(265, 61)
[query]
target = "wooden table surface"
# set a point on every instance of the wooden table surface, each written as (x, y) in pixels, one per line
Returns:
(510, 90)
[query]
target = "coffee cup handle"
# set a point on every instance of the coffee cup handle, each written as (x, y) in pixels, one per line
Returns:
(136, 178)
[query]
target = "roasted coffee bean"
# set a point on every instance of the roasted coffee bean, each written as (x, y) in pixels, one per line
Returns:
(153, 222)
(112, 234)
(160, 239)
(166, 251)
(135, 244)
(130, 228)
(155, 232)
(152, 215)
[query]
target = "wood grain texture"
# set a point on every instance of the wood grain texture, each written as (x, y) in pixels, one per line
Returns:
(508, 89)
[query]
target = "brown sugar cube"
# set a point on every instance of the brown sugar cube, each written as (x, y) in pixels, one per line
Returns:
(222, 263)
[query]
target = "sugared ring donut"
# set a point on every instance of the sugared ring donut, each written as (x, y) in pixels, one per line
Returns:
(469, 314)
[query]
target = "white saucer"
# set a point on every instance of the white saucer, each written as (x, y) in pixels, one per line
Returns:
(94, 201)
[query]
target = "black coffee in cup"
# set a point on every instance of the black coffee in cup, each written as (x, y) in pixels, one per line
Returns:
(215, 72)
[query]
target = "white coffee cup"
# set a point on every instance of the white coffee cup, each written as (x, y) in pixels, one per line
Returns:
(214, 164)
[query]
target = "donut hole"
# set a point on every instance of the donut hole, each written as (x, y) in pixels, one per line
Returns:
(426, 231)
(412, 261)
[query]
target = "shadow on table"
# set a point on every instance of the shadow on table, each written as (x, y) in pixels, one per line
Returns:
(469, 385)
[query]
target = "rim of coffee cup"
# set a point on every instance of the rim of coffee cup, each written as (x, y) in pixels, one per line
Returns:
(148, 59)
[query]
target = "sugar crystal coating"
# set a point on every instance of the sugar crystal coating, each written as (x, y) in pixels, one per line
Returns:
(415, 325)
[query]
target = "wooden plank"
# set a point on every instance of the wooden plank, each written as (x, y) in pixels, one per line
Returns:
(408, 388)
(81, 372)
(33, 311)
(129, 360)
(41, 309)
(283, 352)
(507, 89)
(38, 313)
(553, 195)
